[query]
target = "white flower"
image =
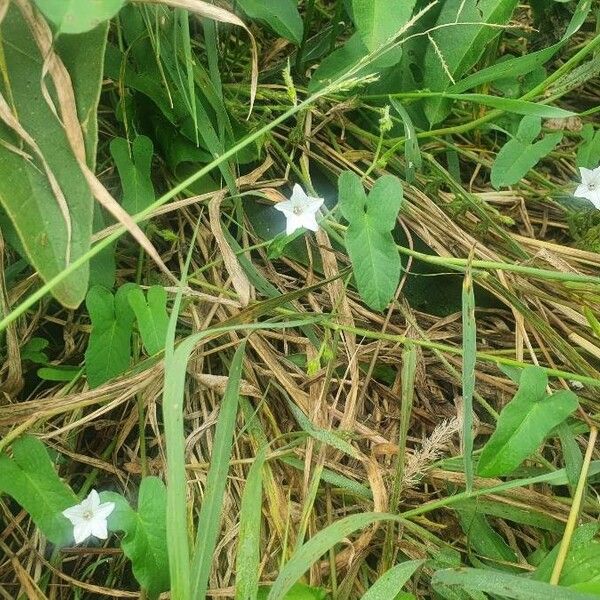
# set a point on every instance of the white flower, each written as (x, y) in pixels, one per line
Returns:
(300, 211)
(89, 517)
(590, 185)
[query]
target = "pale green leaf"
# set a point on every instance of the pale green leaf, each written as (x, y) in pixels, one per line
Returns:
(134, 172)
(109, 348)
(378, 21)
(524, 423)
(588, 153)
(69, 16)
(521, 153)
(299, 591)
(391, 582)
(30, 478)
(152, 317)
(370, 244)
(282, 16)
(145, 541)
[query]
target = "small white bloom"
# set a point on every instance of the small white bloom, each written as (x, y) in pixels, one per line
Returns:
(590, 185)
(300, 211)
(89, 517)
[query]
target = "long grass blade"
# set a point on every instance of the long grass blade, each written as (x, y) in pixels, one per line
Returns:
(468, 373)
(209, 523)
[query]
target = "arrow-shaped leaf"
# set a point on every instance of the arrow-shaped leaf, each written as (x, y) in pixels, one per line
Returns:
(152, 317)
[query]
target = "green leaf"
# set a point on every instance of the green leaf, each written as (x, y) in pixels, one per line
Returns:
(321, 542)
(247, 564)
(152, 317)
(524, 423)
(209, 522)
(588, 153)
(345, 57)
(134, 172)
(504, 585)
(29, 477)
(520, 154)
(109, 348)
(34, 350)
(145, 541)
(298, 591)
(282, 16)
(391, 582)
(463, 32)
(370, 244)
(54, 231)
(69, 16)
(377, 21)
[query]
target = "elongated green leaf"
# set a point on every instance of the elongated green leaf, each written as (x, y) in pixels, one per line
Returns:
(109, 348)
(463, 30)
(521, 154)
(69, 16)
(524, 423)
(309, 552)
(145, 530)
(298, 591)
(247, 564)
(391, 582)
(53, 225)
(504, 585)
(30, 478)
(370, 245)
(134, 172)
(589, 149)
(342, 59)
(527, 63)
(512, 105)
(377, 21)
(152, 317)
(209, 522)
(412, 154)
(468, 373)
(282, 16)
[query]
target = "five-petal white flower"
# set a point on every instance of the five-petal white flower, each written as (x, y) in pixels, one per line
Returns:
(300, 211)
(89, 517)
(590, 185)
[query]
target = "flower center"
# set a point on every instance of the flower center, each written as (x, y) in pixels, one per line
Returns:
(592, 186)
(297, 210)
(87, 515)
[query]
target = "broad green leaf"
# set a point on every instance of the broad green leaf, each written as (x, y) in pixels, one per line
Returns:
(504, 585)
(524, 423)
(588, 153)
(109, 348)
(247, 564)
(30, 478)
(69, 16)
(145, 541)
(282, 16)
(370, 244)
(152, 317)
(378, 21)
(134, 172)
(391, 582)
(209, 521)
(298, 591)
(464, 29)
(342, 59)
(521, 153)
(55, 229)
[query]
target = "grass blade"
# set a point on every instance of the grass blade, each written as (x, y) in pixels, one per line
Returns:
(209, 522)
(391, 582)
(468, 373)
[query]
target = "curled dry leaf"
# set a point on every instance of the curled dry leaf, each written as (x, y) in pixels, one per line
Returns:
(204, 9)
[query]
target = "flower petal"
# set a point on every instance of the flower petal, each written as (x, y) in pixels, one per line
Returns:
(74, 513)
(298, 194)
(93, 500)
(286, 207)
(314, 204)
(104, 510)
(310, 222)
(98, 528)
(293, 223)
(582, 191)
(81, 531)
